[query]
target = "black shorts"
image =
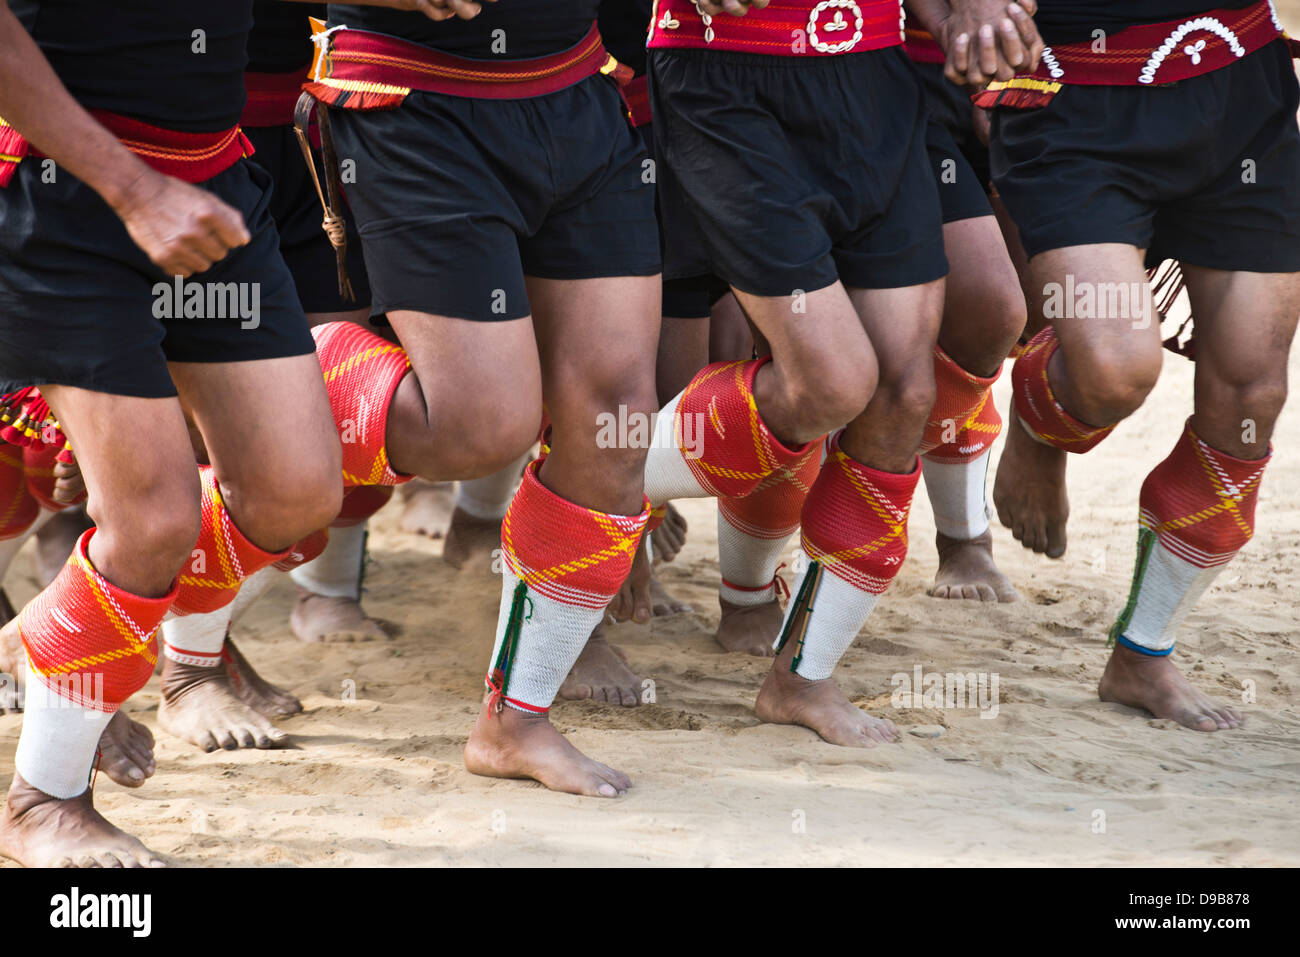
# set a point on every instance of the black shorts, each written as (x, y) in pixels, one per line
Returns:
(1206, 170)
(692, 298)
(786, 173)
(959, 160)
(81, 304)
(457, 199)
(297, 212)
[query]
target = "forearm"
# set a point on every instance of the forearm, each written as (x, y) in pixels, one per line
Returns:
(35, 103)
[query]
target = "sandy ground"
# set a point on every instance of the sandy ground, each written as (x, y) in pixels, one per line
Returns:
(1057, 778)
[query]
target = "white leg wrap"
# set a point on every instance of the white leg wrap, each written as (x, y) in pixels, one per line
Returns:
(489, 497)
(748, 561)
(551, 637)
(667, 476)
(336, 572)
(196, 639)
(1166, 591)
(57, 747)
(957, 496)
(252, 589)
(839, 612)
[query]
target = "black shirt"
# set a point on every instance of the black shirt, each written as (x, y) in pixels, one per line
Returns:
(281, 37)
(1073, 21)
(520, 29)
(145, 58)
(623, 27)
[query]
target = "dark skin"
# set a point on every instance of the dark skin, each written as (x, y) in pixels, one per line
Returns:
(144, 497)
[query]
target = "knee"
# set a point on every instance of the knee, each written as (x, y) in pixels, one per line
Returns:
(835, 390)
(484, 439)
(910, 395)
(281, 508)
(1110, 385)
(151, 532)
(1258, 398)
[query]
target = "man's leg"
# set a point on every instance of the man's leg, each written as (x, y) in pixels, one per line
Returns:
(1068, 398)
(144, 498)
(855, 521)
(569, 536)
(1198, 505)
(984, 312)
(274, 480)
(328, 607)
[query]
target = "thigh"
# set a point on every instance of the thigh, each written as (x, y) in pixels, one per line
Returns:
(1094, 297)
(902, 324)
(259, 419)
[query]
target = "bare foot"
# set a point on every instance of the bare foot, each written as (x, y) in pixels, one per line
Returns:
(126, 751)
(1029, 492)
(426, 506)
(751, 629)
(1153, 684)
(37, 830)
(512, 744)
(471, 541)
(323, 618)
(55, 541)
(967, 570)
(663, 602)
(601, 674)
(786, 698)
(199, 705)
(632, 603)
(670, 536)
(254, 690)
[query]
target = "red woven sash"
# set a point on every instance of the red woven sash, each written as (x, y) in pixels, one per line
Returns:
(1142, 55)
(360, 70)
(921, 47)
(271, 98)
(782, 28)
(636, 95)
(193, 157)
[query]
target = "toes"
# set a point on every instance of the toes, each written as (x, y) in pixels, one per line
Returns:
(617, 778)
(1055, 538)
(208, 743)
(225, 740)
(107, 859)
(986, 592)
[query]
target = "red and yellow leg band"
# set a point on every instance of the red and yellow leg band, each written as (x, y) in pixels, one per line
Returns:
(725, 442)
(1036, 405)
(360, 502)
(1197, 512)
(89, 641)
(304, 551)
(18, 507)
(772, 509)
(974, 439)
(574, 555)
(959, 395)
(752, 531)
(563, 565)
(222, 558)
(362, 372)
(855, 521)
(1200, 502)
